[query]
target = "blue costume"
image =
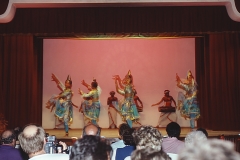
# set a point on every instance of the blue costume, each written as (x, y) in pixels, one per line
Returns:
(127, 106)
(63, 102)
(91, 108)
(187, 102)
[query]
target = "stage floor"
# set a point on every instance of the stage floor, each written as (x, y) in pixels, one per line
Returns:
(113, 133)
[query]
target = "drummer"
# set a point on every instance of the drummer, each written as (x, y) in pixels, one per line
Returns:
(167, 99)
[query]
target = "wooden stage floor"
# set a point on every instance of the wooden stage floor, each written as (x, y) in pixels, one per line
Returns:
(113, 133)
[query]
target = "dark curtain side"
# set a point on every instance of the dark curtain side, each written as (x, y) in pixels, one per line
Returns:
(218, 76)
(21, 79)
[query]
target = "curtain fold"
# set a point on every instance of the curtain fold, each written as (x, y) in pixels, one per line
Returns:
(21, 79)
(167, 20)
(218, 73)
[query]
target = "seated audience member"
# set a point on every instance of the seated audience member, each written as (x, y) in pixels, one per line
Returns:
(7, 147)
(171, 144)
(195, 136)
(91, 129)
(149, 154)
(204, 131)
(32, 141)
(120, 144)
(90, 148)
(122, 153)
(213, 149)
(148, 138)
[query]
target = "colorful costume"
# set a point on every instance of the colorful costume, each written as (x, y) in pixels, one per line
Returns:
(127, 106)
(187, 102)
(63, 104)
(91, 108)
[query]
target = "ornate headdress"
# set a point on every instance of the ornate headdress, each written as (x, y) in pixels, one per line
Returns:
(189, 74)
(69, 79)
(130, 76)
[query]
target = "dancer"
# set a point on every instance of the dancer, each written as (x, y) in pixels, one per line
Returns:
(187, 103)
(91, 104)
(127, 107)
(167, 99)
(112, 112)
(62, 102)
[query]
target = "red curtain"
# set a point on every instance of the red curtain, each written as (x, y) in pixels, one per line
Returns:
(218, 76)
(21, 79)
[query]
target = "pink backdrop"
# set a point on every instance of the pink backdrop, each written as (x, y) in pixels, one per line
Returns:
(153, 62)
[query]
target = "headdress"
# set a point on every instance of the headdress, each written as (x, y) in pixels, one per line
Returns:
(189, 74)
(69, 79)
(94, 83)
(130, 76)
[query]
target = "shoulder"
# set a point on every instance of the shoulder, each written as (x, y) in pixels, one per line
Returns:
(51, 157)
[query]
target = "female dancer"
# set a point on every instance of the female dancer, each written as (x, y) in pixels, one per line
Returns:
(127, 107)
(63, 102)
(187, 103)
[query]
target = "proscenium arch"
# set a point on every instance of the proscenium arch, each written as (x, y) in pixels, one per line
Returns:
(13, 4)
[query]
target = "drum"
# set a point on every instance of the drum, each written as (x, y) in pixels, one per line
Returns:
(166, 109)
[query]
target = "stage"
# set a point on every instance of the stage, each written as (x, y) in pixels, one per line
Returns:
(113, 133)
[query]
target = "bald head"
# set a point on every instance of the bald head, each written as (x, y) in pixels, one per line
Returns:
(8, 138)
(30, 130)
(91, 129)
(32, 139)
(6, 134)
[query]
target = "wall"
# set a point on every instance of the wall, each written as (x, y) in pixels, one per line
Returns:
(153, 62)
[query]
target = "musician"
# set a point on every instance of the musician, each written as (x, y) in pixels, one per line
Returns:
(167, 99)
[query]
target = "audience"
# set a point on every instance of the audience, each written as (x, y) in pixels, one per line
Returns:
(90, 148)
(91, 129)
(148, 136)
(147, 139)
(171, 144)
(7, 147)
(149, 154)
(204, 131)
(32, 141)
(122, 153)
(195, 136)
(213, 149)
(120, 144)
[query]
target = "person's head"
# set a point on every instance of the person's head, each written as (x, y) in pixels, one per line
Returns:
(8, 138)
(32, 140)
(128, 137)
(149, 154)
(90, 148)
(112, 93)
(173, 129)
(148, 136)
(204, 131)
(128, 79)
(166, 92)
(212, 149)
(122, 129)
(94, 84)
(68, 82)
(91, 129)
(195, 136)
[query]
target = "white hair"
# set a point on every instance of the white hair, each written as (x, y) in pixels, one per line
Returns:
(195, 136)
(213, 149)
